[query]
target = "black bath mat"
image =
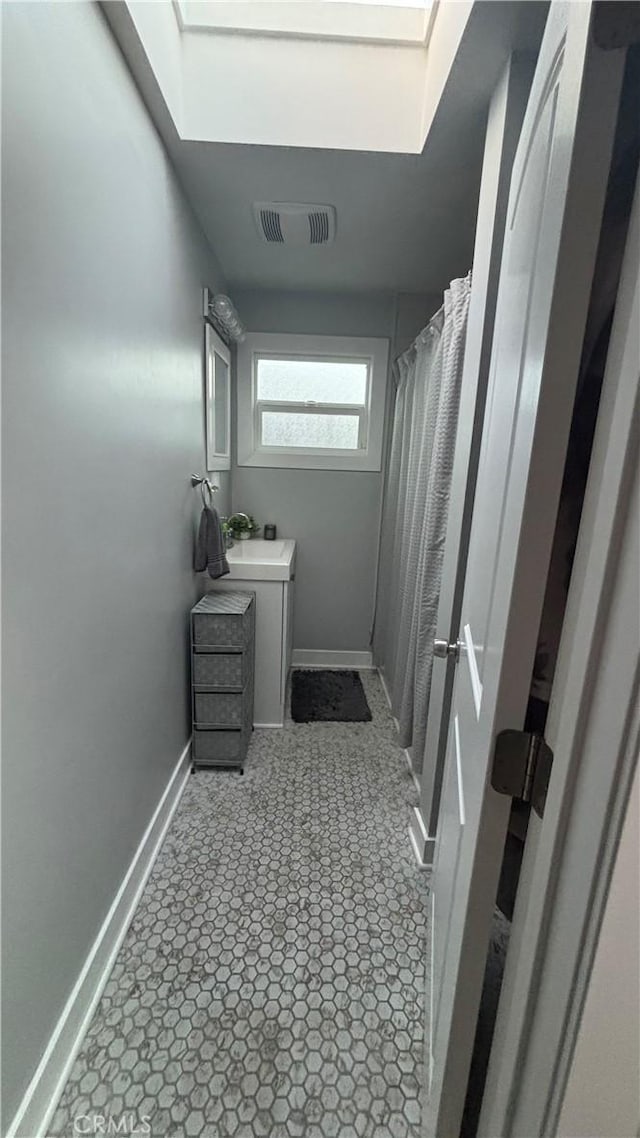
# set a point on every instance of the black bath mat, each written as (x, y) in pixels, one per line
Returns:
(328, 697)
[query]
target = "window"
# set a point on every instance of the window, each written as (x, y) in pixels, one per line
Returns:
(311, 401)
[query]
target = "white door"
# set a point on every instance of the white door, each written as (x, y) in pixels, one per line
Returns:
(570, 854)
(555, 205)
(506, 113)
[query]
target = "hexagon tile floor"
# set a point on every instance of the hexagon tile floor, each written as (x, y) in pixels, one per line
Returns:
(272, 980)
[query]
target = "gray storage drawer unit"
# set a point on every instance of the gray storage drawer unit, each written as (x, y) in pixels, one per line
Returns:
(222, 663)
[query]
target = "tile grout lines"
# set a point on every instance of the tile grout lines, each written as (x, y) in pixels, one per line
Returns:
(272, 981)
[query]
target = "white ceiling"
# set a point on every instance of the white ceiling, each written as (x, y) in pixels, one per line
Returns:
(404, 222)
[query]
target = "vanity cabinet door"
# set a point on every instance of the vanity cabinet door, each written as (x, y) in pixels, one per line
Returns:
(270, 645)
(287, 638)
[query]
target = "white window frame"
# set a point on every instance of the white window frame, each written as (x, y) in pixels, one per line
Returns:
(257, 345)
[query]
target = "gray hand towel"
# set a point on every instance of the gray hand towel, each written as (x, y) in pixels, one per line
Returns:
(209, 552)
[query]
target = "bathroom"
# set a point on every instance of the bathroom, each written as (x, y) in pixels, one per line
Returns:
(220, 928)
(330, 513)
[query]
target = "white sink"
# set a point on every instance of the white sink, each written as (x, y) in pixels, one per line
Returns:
(260, 560)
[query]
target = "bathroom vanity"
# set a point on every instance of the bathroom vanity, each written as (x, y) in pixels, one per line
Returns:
(267, 569)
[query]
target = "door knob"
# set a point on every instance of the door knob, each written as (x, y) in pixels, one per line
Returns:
(445, 648)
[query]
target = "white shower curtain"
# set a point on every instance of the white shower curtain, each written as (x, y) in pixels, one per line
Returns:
(418, 481)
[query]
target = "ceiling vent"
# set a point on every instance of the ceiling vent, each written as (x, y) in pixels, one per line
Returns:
(288, 223)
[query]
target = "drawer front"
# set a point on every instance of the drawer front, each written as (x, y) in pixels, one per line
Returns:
(220, 669)
(223, 630)
(225, 708)
(219, 746)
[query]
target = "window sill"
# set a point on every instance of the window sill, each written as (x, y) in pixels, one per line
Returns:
(306, 461)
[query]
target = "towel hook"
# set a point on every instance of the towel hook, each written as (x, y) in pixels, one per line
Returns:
(204, 484)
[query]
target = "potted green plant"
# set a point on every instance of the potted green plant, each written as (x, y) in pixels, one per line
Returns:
(242, 526)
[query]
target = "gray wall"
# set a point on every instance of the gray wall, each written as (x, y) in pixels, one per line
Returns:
(102, 425)
(333, 515)
(414, 311)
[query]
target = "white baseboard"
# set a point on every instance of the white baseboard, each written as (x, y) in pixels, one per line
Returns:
(44, 1090)
(414, 777)
(407, 754)
(385, 690)
(420, 841)
(416, 851)
(423, 846)
(315, 658)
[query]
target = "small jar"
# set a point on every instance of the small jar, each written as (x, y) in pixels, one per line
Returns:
(269, 532)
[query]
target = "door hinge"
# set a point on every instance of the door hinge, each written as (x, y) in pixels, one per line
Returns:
(522, 764)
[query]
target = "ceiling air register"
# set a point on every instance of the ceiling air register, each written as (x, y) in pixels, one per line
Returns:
(294, 224)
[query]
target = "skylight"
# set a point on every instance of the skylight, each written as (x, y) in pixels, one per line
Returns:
(361, 75)
(384, 3)
(387, 21)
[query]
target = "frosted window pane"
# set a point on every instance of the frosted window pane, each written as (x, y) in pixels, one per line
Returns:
(318, 381)
(287, 429)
